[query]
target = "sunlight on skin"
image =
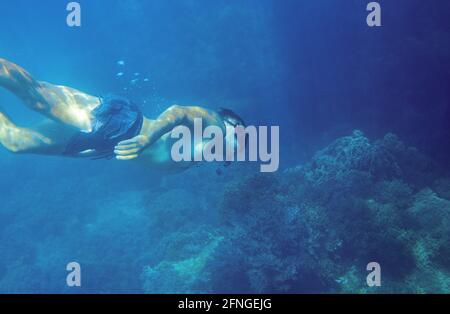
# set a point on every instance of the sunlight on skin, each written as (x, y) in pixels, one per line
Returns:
(70, 106)
(13, 77)
(4, 72)
(155, 129)
(61, 103)
(18, 139)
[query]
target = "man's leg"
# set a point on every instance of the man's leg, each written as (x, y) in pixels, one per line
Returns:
(60, 103)
(48, 138)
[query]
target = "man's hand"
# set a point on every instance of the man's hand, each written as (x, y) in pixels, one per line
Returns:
(130, 149)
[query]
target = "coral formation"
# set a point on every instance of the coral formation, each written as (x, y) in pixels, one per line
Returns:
(315, 227)
(310, 228)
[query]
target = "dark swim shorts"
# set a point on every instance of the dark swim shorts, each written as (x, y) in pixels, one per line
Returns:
(115, 119)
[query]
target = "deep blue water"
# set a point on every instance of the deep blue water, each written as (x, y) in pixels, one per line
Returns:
(315, 69)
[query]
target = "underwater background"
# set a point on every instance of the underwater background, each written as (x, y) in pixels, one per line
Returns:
(364, 158)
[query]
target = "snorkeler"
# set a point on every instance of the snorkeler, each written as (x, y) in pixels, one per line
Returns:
(82, 125)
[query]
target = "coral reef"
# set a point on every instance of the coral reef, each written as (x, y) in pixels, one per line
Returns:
(310, 228)
(183, 274)
(315, 227)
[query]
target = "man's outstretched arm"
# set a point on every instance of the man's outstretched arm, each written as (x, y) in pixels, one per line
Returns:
(166, 122)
